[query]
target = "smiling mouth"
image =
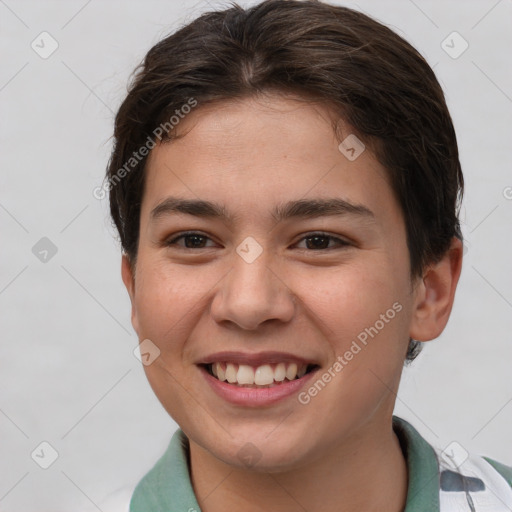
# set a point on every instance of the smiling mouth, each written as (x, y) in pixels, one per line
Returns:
(263, 376)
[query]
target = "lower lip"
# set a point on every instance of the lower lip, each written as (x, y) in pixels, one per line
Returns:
(256, 397)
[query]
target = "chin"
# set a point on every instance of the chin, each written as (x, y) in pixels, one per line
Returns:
(258, 450)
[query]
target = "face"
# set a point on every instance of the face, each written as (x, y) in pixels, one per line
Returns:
(283, 282)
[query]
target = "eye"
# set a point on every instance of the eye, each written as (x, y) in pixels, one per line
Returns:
(320, 240)
(196, 240)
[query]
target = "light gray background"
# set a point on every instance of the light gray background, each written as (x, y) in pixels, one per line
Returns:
(68, 375)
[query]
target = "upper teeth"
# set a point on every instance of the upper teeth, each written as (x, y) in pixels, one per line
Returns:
(262, 375)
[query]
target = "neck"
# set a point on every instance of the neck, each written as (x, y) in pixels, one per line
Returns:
(368, 474)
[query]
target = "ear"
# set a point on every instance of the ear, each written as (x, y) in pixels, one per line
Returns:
(435, 294)
(129, 282)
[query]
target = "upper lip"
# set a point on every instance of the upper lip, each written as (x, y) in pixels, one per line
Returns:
(254, 359)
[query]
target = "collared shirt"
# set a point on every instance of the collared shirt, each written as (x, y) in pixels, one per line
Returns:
(439, 481)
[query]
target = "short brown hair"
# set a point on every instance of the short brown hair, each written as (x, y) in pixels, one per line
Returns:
(369, 76)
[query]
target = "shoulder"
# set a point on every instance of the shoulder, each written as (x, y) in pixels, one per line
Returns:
(117, 501)
(502, 469)
(451, 479)
(473, 481)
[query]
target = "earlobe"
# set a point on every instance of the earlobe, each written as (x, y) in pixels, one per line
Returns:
(435, 295)
(129, 282)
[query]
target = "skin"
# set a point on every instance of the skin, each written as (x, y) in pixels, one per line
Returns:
(339, 451)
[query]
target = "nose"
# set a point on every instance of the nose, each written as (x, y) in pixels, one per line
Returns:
(252, 293)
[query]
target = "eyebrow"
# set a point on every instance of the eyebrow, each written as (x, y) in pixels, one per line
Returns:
(301, 208)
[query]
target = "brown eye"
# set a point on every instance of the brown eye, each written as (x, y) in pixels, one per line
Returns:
(192, 240)
(314, 241)
(320, 241)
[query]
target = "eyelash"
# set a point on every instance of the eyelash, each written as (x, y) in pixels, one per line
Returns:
(342, 243)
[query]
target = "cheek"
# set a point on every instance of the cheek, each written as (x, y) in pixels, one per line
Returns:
(348, 298)
(363, 315)
(366, 316)
(166, 298)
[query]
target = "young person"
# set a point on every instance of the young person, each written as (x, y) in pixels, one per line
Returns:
(285, 182)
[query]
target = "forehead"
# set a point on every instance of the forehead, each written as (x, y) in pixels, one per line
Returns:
(254, 153)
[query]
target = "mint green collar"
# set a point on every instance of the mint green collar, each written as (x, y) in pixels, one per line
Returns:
(422, 468)
(167, 486)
